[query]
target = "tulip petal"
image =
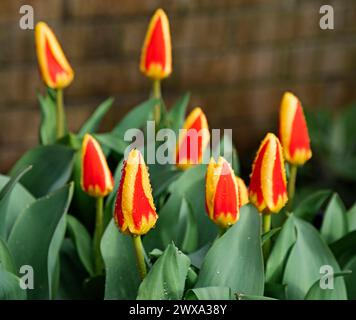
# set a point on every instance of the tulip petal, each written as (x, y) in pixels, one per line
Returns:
(294, 131)
(243, 192)
(135, 212)
(55, 69)
(156, 57)
(193, 140)
(96, 179)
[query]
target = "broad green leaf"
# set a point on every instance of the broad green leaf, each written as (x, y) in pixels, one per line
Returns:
(334, 225)
(36, 237)
(48, 119)
(187, 179)
(10, 287)
(52, 168)
(166, 279)
(113, 142)
(351, 218)
(72, 273)
(177, 113)
(235, 255)
(136, 118)
(344, 248)
(6, 261)
(19, 199)
(276, 291)
(176, 223)
(122, 278)
(161, 176)
(351, 279)
(197, 257)
(5, 196)
(307, 256)
(269, 234)
(278, 257)
(316, 292)
(93, 122)
(308, 208)
(82, 242)
(210, 293)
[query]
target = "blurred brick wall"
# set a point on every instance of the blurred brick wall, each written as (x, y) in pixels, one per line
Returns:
(235, 56)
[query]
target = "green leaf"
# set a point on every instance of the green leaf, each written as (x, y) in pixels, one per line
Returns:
(136, 118)
(351, 218)
(6, 261)
(48, 119)
(82, 242)
(113, 142)
(234, 255)
(334, 225)
(161, 177)
(52, 167)
(309, 207)
(278, 257)
(93, 122)
(166, 279)
(240, 296)
(176, 223)
(307, 256)
(269, 234)
(276, 290)
(317, 293)
(10, 287)
(177, 113)
(351, 280)
(5, 194)
(210, 293)
(122, 278)
(36, 237)
(197, 257)
(187, 179)
(19, 199)
(344, 248)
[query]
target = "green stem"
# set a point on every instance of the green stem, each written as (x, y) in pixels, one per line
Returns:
(291, 186)
(99, 265)
(140, 256)
(157, 94)
(60, 115)
(266, 226)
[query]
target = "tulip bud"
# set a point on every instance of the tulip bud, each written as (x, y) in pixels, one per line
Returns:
(96, 179)
(156, 55)
(221, 193)
(135, 212)
(293, 131)
(55, 70)
(267, 188)
(193, 140)
(243, 192)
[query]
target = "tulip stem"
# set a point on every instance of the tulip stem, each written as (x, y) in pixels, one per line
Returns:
(98, 233)
(266, 225)
(291, 186)
(140, 256)
(157, 94)
(60, 114)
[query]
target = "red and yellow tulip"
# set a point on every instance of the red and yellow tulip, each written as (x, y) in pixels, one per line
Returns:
(96, 178)
(222, 197)
(267, 188)
(135, 212)
(293, 131)
(156, 55)
(54, 67)
(243, 192)
(193, 140)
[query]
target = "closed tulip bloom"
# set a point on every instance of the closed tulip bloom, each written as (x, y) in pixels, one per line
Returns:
(96, 179)
(267, 188)
(54, 67)
(156, 55)
(293, 131)
(243, 192)
(222, 193)
(193, 140)
(135, 212)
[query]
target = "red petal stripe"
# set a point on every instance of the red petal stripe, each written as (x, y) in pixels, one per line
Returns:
(54, 67)
(279, 186)
(299, 136)
(156, 52)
